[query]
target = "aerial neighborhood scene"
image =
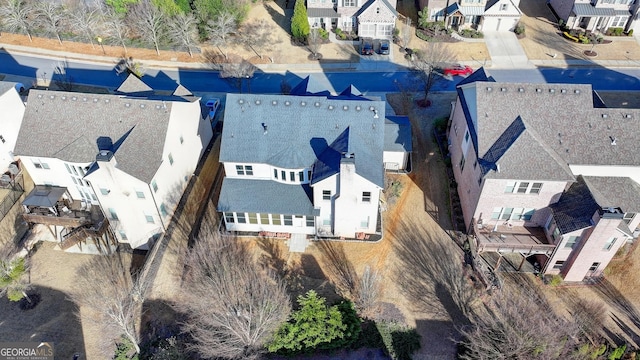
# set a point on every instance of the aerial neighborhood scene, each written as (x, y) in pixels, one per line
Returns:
(319, 179)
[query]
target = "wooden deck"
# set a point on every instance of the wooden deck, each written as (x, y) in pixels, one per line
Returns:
(505, 239)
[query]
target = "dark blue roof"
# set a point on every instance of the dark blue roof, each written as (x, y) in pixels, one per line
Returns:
(575, 208)
(309, 86)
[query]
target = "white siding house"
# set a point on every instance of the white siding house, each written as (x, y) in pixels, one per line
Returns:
(303, 164)
(366, 18)
(126, 158)
(11, 113)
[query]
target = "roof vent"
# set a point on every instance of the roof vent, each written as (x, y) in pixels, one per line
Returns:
(127, 105)
(52, 97)
(345, 108)
(95, 100)
(84, 99)
(74, 98)
(552, 90)
(274, 102)
(358, 108)
(489, 88)
(264, 128)
(577, 91)
(104, 155)
(158, 107)
(240, 101)
(39, 96)
(375, 114)
(563, 91)
(538, 90)
(287, 103)
(64, 97)
(317, 104)
(520, 89)
(142, 106)
(330, 107)
(503, 89)
(628, 116)
(303, 103)
(604, 116)
(106, 101)
(258, 102)
(613, 140)
(371, 108)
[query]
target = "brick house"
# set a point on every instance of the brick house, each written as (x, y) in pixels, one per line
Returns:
(546, 171)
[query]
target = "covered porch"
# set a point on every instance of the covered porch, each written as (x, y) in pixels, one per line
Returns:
(592, 18)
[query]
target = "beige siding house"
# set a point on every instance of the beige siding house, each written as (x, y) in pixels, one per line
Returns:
(482, 15)
(546, 171)
(597, 15)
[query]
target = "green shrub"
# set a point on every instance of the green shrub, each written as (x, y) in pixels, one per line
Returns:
(470, 33)
(630, 33)
(614, 31)
(618, 352)
(519, 29)
(423, 36)
(435, 26)
(124, 350)
(299, 22)
(570, 37)
(556, 280)
(324, 34)
(400, 341)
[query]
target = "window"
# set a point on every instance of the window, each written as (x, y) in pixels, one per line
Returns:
(181, 139)
(163, 210)
(276, 219)
(535, 188)
(149, 217)
(228, 218)
(522, 188)
(377, 10)
(528, 214)
(123, 235)
(154, 185)
(558, 265)
(283, 175)
(475, 164)
(326, 194)
(364, 223)
(80, 171)
(462, 163)
(594, 266)
(253, 218)
(466, 136)
(292, 176)
(366, 196)
(244, 170)
(628, 217)
(113, 214)
(517, 213)
(309, 221)
(275, 173)
(75, 181)
(93, 196)
(43, 165)
(347, 24)
(288, 220)
(506, 213)
(326, 222)
(241, 218)
(571, 242)
(618, 21)
(170, 159)
(239, 169)
(504, 7)
(68, 169)
(385, 30)
(609, 244)
(347, 3)
(75, 172)
(495, 215)
(264, 219)
(511, 185)
(301, 176)
(139, 194)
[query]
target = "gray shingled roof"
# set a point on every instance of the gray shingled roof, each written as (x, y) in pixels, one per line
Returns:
(562, 116)
(8, 85)
(576, 208)
(265, 196)
(132, 84)
(67, 126)
(299, 128)
(397, 134)
(322, 12)
(622, 192)
(590, 10)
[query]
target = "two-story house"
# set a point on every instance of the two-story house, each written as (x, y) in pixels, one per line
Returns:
(366, 18)
(12, 111)
(597, 15)
(481, 15)
(109, 168)
(308, 163)
(546, 170)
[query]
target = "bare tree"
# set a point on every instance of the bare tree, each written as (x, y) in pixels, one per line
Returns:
(115, 27)
(149, 21)
(519, 324)
(234, 305)
(256, 35)
(368, 292)
(315, 42)
(407, 31)
(51, 18)
(427, 61)
(106, 286)
(17, 16)
(220, 28)
(237, 72)
(86, 23)
(183, 30)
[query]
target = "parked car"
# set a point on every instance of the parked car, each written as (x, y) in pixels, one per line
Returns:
(458, 69)
(213, 105)
(384, 47)
(367, 47)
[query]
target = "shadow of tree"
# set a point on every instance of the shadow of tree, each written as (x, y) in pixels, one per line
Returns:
(629, 319)
(432, 274)
(339, 268)
(273, 256)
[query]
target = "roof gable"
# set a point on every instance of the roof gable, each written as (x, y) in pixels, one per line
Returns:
(370, 9)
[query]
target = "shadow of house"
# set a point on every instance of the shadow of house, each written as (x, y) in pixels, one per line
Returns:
(11, 66)
(54, 319)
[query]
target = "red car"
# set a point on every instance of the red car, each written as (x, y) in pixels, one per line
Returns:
(458, 69)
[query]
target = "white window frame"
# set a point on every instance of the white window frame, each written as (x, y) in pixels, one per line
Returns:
(523, 187)
(149, 218)
(609, 244)
(571, 242)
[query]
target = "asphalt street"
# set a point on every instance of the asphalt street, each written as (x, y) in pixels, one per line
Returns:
(262, 82)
